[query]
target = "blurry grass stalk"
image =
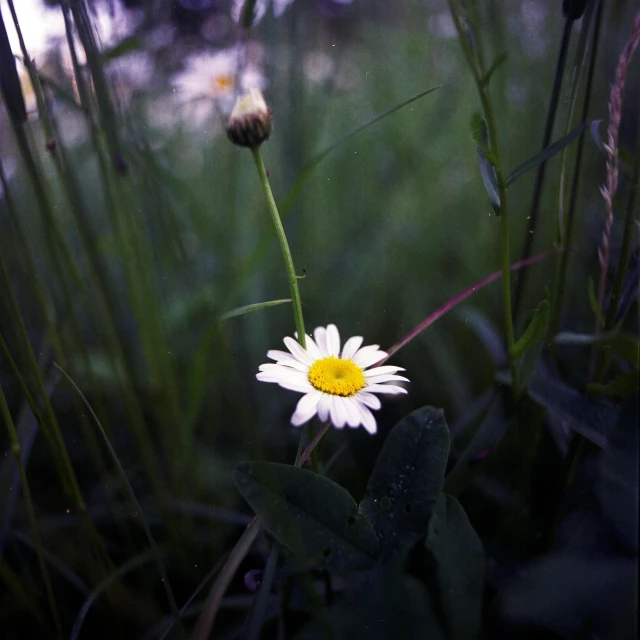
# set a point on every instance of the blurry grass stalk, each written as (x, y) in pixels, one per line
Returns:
(487, 108)
(31, 516)
(565, 222)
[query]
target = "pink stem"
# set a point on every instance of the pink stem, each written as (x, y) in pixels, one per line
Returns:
(429, 320)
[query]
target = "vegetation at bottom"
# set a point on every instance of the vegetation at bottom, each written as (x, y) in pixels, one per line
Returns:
(455, 181)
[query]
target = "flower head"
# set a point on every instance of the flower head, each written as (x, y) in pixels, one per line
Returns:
(338, 385)
(249, 124)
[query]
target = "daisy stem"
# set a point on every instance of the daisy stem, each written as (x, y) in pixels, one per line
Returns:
(284, 246)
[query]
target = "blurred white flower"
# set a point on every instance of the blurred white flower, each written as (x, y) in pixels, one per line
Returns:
(259, 9)
(338, 384)
(213, 81)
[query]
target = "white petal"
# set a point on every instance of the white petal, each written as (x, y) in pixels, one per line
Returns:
(323, 407)
(384, 369)
(281, 368)
(338, 412)
(285, 358)
(385, 378)
(298, 351)
(333, 341)
(353, 412)
(306, 408)
(320, 334)
(368, 355)
(368, 421)
(350, 347)
(368, 399)
(385, 388)
(312, 348)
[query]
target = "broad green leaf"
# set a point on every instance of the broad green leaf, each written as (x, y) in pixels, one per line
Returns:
(623, 385)
(545, 154)
(624, 344)
(308, 513)
(593, 301)
(250, 308)
(590, 418)
(458, 578)
(381, 604)
(617, 482)
(534, 332)
(407, 479)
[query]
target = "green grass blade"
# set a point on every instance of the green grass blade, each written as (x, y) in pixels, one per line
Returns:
(545, 154)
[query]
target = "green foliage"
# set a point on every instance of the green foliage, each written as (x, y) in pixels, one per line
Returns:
(404, 513)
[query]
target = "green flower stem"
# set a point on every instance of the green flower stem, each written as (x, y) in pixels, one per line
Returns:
(284, 246)
(502, 187)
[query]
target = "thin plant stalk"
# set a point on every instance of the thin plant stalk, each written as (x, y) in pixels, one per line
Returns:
(284, 246)
(546, 139)
(132, 497)
(17, 452)
(560, 276)
(487, 109)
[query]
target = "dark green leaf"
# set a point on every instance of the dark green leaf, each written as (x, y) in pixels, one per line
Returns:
(385, 603)
(487, 170)
(623, 385)
(407, 479)
(572, 596)
(129, 44)
(545, 154)
(489, 179)
(493, 68)
(458, 579)
(617, 483)
(593, 301)
(592, 419)
(534, 332)
(308, 513)
(250, 308)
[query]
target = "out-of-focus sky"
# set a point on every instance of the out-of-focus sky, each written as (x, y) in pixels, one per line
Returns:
(38, 25)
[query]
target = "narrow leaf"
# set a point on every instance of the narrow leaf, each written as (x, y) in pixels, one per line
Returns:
(458, 579)
(407, 479)
(489, 179)
(125, 46)
(10, 86)
(308, 513)
(534, 332)
(545, 154)
(624, 385)
(250, 308)
(592, 419)
(493, 68)
(624, 344)
(291, 196)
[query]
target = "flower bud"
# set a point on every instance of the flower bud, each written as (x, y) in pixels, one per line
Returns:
(250, 122)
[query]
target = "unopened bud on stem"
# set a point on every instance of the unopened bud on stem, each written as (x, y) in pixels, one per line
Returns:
(250, 122)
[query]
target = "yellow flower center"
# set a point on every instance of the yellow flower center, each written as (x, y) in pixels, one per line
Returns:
(223, 83)
(337, 377)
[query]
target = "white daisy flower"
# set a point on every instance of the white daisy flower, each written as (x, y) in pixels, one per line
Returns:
(338, 385)
(217, 78)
